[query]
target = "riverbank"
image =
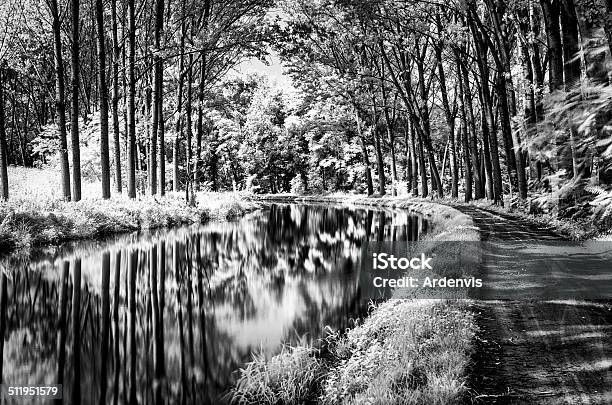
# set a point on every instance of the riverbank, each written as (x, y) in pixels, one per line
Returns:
(30, 222)
(452, 224)
(404, 352)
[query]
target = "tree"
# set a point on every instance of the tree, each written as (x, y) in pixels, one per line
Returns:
(471, 99)
(103, 100)
(159, 84)
(115, 98)
(4, 183)
(74, 113)
(131, 107)
(60, 98)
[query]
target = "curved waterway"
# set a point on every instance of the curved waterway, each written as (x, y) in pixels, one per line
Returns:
(170, 316)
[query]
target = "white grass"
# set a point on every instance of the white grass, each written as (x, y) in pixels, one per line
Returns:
(36, 214)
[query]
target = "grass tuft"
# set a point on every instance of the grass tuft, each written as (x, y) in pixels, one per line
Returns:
(291, 377)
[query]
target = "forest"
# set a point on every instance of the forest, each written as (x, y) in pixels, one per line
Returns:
(470, 99)
(122, 119)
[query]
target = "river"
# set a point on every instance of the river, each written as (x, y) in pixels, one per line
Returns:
(172, 315)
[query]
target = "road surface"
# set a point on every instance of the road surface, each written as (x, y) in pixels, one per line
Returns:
(555, 352)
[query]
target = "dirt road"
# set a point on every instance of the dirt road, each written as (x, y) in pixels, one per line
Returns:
(554, 352)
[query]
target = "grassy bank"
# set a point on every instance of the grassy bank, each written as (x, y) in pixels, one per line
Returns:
(36, 215)
(404, 352)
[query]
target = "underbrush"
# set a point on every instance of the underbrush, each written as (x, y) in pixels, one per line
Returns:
(405, 352)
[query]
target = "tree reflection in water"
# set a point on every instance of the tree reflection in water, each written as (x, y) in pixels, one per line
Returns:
(170, 316)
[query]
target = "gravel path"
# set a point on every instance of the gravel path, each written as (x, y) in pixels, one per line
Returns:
(553, 352)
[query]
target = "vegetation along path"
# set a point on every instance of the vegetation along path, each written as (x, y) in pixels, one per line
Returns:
(537, 352)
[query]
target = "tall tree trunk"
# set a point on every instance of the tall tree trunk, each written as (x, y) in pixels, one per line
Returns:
(175, 165)
(379, 162)
(415, 163)
(188, 124)
(366, 159)
(488, 166)
(467, 163)
(529, 92)
(60, 100)
(422, 167)
(161, 149)
(131, 107)
(115, 99)
(103, 99)
(394, 177)
(200, 125)
(506, 130)
(74, 114)
(408, 157)
(571, 72)
(426, 130)
(551, 13)
(471, 129)
(159, 78)
(149, 114)
(450, 120)
(389, 128)
(487, 107)
(3, 147)
(179, 120)
(157, 99)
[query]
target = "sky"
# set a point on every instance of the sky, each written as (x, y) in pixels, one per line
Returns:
(273, 71)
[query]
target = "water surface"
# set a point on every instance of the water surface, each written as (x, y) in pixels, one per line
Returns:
(170, 316)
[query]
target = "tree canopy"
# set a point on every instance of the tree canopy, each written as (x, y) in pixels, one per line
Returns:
(470, 99)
